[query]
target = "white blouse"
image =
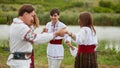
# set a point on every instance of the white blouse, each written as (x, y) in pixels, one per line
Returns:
(86, 36)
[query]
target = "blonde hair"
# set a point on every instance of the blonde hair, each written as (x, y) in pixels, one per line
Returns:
(36, 22)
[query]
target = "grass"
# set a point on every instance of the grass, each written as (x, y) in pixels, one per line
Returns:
(107, 58)
(3, 56)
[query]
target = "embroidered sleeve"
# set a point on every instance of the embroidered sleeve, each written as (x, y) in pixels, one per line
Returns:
(30, 36)
(67, 38)
(43, 38)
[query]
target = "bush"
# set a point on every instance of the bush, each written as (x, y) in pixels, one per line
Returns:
(110, 5)
(106, 4)
(6, 19)
(44, 18)
(107, 19)
(3, 20)
(69, 19)
(116, 8)
(102, 10)
(78, 4)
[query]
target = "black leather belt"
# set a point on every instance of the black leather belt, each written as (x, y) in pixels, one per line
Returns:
(21, 55)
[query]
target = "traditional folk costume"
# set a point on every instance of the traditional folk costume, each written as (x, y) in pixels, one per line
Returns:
(86, 56)
(21, 40)
(55, 50)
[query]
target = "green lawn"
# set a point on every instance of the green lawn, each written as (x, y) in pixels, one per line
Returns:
(106, 58)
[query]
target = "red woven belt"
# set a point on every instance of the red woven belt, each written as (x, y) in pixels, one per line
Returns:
(86, 48)
(59, 41)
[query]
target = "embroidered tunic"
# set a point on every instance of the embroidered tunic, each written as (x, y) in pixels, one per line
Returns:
(21, 39)
(55, 50)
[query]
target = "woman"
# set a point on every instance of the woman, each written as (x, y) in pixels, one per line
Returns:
(86, 40)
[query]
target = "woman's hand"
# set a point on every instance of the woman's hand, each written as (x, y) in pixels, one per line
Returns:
(44, 30)
(68, 43)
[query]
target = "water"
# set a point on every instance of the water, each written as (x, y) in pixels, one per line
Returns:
(4, 32)
(103, 33)
(108, 33)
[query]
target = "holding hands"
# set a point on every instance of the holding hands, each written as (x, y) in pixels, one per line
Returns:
(61, 32)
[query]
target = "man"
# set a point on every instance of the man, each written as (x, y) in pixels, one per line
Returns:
(22, 37)
(55, 50)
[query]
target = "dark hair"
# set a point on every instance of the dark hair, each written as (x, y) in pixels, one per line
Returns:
(53, 11)
(25, 8)
(85, 19)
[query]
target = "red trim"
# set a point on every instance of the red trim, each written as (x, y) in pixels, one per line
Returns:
(59, 41)
(55, 56)
(32, 60)
(30, 40)
(26, 34)
(86, 49)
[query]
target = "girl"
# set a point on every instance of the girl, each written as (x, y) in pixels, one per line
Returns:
(86, 40)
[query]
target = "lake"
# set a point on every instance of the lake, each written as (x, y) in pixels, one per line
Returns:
(103, 33)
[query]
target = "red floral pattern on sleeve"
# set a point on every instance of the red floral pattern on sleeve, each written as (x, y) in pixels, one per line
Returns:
(30, 36)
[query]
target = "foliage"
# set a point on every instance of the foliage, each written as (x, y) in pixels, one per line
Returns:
(106, 4)
(3, 20)
(69, 10)
(116, 8)
(69, 19)
(109, 5)
(102, 9)
(44, 18)
(106, 19)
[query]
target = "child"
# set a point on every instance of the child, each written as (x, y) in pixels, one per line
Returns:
(86, 40)
(55, 50)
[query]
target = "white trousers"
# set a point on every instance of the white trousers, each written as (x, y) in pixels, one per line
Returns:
(20, 66)
(54, 63)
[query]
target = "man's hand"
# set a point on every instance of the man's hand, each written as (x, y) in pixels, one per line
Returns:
(44, 30)
(61, 32)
